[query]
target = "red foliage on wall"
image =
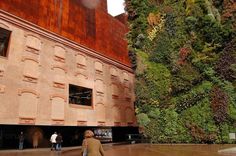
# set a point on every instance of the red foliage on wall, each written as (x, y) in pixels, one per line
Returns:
(229, 12)
(183, 54)
(224, 66)
(93, 28)
(219, 105)
(199, 134)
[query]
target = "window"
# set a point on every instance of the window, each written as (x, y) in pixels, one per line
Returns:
(103, 134)
(4, 39)
(80, 95)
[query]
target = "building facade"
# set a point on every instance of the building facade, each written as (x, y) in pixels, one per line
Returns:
(63, 64)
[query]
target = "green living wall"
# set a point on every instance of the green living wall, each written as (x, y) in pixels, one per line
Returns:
(184, 56)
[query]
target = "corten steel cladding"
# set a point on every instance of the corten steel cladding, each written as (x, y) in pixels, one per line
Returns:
(91, 27)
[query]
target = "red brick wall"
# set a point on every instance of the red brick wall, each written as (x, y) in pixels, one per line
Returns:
(70, 19)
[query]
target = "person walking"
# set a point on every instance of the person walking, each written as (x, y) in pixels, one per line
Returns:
(21, 140)
(91, 146)
(59, 141)
(53, 141)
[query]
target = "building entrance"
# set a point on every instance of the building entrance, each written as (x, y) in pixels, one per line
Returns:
(39, 136)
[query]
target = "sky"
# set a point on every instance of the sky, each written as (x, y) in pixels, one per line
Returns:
(115, 7)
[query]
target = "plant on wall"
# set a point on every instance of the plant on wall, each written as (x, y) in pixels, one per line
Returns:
(219, 105)
(225, 66)
(184, 52)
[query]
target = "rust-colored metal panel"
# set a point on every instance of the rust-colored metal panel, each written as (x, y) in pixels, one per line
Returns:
(93, 28)
(102, 43)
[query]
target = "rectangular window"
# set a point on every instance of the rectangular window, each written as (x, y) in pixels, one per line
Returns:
(80, 95)
(103, 134)
(4, 40)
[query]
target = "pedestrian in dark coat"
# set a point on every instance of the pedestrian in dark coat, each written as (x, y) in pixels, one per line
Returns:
(59, 142)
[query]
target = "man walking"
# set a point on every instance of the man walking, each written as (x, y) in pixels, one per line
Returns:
(53, 141)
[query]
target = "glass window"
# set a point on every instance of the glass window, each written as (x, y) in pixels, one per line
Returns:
(103, 134)
(4, 40)
(80, 95)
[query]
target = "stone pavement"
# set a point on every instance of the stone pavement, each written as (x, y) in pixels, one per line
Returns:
(228, 151)
(39, 152)
(134, 150)
(47, 151)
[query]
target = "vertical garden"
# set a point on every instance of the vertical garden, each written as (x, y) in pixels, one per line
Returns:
(184, 56)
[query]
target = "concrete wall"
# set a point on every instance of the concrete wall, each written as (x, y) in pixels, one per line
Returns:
(35, 76)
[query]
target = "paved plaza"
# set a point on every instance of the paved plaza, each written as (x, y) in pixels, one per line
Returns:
(134, 150)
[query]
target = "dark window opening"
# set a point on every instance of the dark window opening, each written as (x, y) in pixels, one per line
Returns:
(4, 40)
(80, 95)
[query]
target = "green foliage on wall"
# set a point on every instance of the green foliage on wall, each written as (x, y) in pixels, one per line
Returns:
(166, 127)
(185, 57)
(201, 115)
